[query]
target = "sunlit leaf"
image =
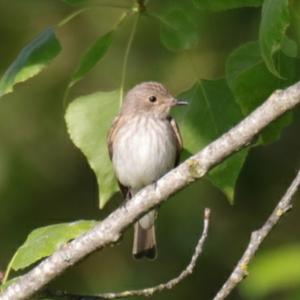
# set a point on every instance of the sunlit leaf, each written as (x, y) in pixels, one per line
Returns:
(211, 112)
(92, 56)
(44, 241)
(273, 271)
(178, 31)
(274, 22)
(88, 120)
(252, 83)
(216, 5)
(32, 59)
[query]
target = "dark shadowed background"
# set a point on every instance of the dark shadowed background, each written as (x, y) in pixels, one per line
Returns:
(44, 179)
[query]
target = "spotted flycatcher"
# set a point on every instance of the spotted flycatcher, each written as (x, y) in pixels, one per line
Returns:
(144, 143)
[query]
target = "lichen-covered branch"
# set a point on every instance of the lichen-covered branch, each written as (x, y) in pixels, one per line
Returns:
(146, 292)
(111, 228)
(257, 237)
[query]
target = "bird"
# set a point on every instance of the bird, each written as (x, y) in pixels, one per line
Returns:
(144, 142)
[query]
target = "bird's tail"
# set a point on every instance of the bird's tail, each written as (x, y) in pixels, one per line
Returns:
(144, 242)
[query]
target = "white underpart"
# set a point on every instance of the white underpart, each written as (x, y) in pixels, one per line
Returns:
(143, 150)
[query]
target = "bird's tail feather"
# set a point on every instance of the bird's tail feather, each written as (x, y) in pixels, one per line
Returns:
(144, 243)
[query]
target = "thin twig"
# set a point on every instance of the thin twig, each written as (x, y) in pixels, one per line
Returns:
(126, 56)
(141, 5)
(155, 289)
(109, 230)
(257, 237)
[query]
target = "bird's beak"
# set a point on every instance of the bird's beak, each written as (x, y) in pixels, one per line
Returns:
(178, 102)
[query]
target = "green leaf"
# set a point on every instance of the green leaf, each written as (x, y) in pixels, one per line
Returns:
(274, 22)
(5, 285)
(216, 5)
(252, 83)
(273, 271)
(88, 120)
(44, 241)
(211, 112)
(32, 59)
(92, 56)
(289, 47)
(178, 31)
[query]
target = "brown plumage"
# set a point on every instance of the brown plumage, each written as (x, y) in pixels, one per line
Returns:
(144, 143)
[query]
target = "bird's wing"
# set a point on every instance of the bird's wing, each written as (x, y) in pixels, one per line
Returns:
(110, 138)
(178, 138)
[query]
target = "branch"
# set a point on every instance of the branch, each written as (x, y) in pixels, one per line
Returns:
(257, 237)
(155, 289)
(141, 5)
(110, 229)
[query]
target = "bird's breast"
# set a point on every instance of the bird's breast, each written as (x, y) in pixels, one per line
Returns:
(144, 149)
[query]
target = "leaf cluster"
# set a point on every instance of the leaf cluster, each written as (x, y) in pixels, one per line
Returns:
(253, 71)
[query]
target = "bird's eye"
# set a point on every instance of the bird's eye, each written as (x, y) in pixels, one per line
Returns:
(152, 99)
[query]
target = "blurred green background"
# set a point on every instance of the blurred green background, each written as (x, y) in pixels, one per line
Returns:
(44, 179)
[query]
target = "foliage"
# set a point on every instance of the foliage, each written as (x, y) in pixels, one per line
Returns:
(251, 82)
(178, 30)
(216, 5)
(273, 271)
(92, 56)
(274, 22)
(211, 112)
(31, 60)
(253, 71)
(83, 120)
(43, 241)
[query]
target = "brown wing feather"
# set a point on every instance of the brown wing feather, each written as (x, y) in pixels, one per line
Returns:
(178, 138)
(110, 138)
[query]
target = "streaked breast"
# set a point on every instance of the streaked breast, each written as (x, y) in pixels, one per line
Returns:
(144, 150)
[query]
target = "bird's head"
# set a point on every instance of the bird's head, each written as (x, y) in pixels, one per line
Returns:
(150, 98)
